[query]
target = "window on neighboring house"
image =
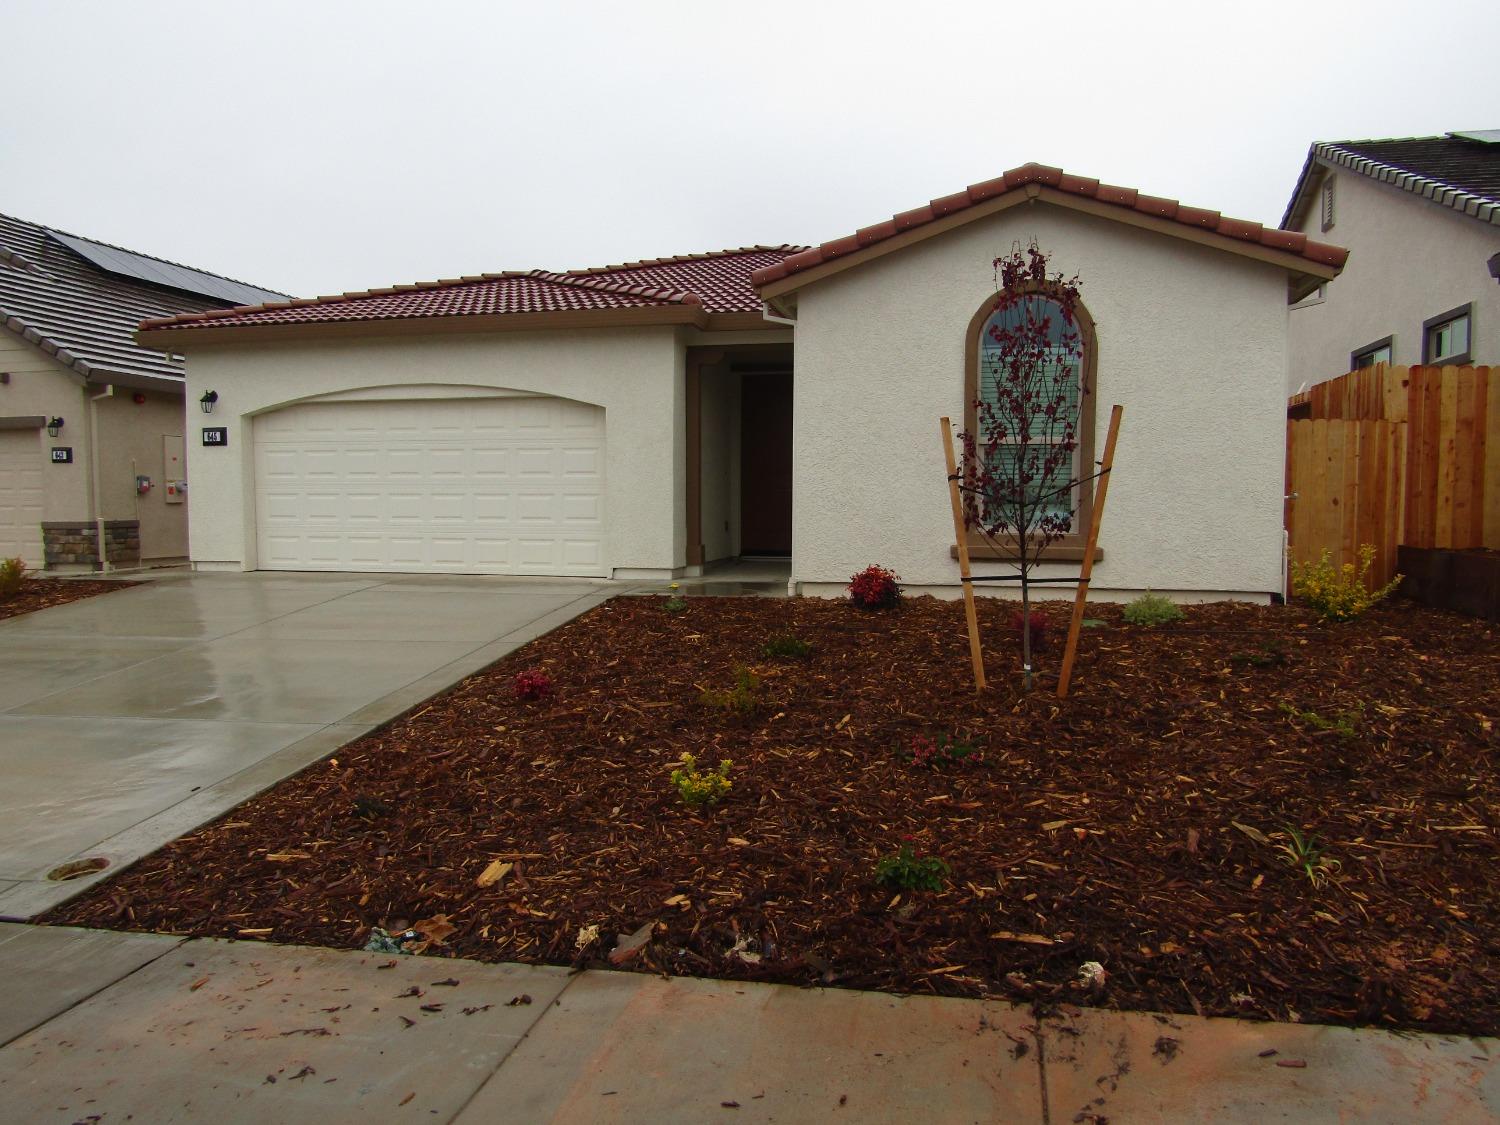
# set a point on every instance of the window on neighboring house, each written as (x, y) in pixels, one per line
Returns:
(1326, 203)
(1371, 354)
(981, 382)
(1445, 338)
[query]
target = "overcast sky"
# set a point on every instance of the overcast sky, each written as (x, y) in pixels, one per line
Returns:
(319, 147)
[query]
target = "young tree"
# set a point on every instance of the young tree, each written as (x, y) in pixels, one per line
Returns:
(1020, 472)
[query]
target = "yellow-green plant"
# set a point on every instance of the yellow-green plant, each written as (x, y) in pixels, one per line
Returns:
(12, 574)
(701, 787)
(1339, 593)
(741, 699)
(1151, 609)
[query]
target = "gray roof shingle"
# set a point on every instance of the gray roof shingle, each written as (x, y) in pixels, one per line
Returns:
(1459, 170)
(57, 299)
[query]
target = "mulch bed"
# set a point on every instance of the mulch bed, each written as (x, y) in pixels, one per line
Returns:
(39, 593)
(1135, 825)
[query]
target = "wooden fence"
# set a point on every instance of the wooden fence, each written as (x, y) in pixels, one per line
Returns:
(1394, 456)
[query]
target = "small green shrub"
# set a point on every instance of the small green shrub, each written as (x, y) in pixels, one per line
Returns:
(1308, 856)
(1345, 723)
(1152, 609)
(675, 604)
(910, 870)
(701, 787)
(12, 574)
(1339, 593)
(787, 647)
(743, 698)
(1269, 656)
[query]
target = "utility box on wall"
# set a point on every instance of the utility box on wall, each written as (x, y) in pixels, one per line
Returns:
(174, 468)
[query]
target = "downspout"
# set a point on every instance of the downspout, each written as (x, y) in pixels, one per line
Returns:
(767, 314)
(96, 499)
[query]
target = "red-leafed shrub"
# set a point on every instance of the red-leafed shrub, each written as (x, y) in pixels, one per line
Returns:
(875, 588)
(532, 685)
(1041, 628)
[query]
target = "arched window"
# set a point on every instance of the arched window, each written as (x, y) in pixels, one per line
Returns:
(981, 382)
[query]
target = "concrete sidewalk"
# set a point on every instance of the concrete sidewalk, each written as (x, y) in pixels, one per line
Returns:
(131, 718)
(107, 1027)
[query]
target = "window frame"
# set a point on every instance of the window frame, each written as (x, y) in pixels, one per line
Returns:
(1069, 547)
(1389, 343)
(1465, 312)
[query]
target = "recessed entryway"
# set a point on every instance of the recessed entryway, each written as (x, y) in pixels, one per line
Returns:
(739, 497)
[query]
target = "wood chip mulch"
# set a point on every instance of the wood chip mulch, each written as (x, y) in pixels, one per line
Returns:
(1137, 825)
(40, 593)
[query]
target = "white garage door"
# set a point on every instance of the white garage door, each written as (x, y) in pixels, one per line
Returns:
(473, 486)
(21, 468)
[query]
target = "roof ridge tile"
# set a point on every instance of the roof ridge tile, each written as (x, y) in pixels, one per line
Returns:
(1048, 176)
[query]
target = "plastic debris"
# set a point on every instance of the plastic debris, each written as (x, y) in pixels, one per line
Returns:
(382, 942)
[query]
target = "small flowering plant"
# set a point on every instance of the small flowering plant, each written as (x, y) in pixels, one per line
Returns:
(911, 870)
(532, 685)
(875, 587)
(676, 603)
(926, 752)
(1039, 626)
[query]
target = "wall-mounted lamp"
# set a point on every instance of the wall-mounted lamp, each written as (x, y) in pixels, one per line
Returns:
(1494, 264)
(208, 400)
(53, 425)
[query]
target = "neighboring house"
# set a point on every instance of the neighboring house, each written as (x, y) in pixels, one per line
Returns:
(91, 422)
(641, 420)
(1421, 217)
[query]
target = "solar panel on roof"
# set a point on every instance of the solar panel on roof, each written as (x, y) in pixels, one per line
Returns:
(123, 263)
(1483, 136)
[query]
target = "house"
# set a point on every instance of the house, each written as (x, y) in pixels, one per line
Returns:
(91, 423)
(645, 419)
(1421, 216)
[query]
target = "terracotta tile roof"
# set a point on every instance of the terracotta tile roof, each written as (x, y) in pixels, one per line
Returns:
(720, 278)
(1460, 170)
(1129, 199)
(715, 282)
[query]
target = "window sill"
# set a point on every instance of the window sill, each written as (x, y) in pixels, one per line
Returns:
(1056, 552)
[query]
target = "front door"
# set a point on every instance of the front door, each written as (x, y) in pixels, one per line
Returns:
(766, 464)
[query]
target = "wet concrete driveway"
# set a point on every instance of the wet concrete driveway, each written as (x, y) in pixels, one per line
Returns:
(130, 718)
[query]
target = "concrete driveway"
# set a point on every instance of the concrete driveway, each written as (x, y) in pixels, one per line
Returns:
(131, 718)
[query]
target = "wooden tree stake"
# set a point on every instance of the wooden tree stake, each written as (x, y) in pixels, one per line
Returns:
(1082, 595)
(961, 537)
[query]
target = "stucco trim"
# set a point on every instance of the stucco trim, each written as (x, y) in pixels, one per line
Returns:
(1302, 270)
(23, 422)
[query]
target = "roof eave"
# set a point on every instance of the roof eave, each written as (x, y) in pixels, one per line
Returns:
(185, 337)
(1295, 264)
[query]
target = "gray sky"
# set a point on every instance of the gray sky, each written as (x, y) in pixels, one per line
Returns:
(318, 147)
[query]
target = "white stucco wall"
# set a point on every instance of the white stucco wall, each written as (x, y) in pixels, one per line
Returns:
(40, 385)
(636, 375)
(1191, 341)
(131, 443)
(1409, 260)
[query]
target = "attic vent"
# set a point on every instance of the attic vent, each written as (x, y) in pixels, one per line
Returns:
(1327, 204)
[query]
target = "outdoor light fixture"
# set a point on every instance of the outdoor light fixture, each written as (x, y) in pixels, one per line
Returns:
(53, 425)
(1494, 264)
(208, 400)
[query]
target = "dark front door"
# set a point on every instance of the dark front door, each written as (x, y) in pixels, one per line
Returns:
(766, 464)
